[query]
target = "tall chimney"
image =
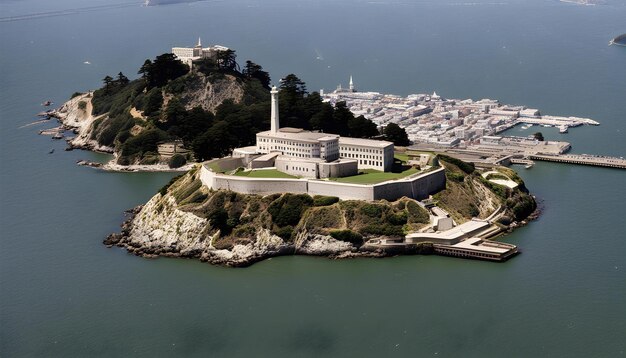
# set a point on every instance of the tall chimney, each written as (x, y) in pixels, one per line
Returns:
(274, 118)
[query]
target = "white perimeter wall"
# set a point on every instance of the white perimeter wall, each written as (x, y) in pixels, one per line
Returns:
(417, 187)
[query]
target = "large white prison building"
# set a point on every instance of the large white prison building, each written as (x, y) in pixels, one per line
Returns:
(313, 154)
(189, 54)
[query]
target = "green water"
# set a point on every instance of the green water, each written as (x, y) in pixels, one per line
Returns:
(62, 293)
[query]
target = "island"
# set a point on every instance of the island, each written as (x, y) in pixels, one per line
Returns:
(271, 171)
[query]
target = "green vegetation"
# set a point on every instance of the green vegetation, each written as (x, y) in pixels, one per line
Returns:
(372, 176)
(348, 236)
(538, 136)
(468, 194)
(82, 105)
(165, 187)
(466, 167)
(264, 173)
(239, 217)
(288, 209)
(396, 134)
(321, 200)
(417, 214)
(177, 161)
(403, 157)
(165, 93)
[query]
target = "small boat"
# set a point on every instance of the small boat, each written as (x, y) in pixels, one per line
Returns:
(51, 151)
(87, 63)
(58, 136)
(563, 129)
(528, 166)
(47, 103)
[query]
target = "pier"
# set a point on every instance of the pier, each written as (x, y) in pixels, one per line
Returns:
(582, 159)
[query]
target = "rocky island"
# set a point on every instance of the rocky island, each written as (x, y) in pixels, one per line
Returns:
(186, 219)
(322, 181)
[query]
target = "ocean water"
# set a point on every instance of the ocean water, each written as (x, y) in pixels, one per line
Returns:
(62, 293)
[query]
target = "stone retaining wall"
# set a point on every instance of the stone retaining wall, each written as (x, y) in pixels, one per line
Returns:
(416, 187)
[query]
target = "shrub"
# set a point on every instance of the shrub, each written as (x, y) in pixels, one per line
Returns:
(457, 177)
(177, 161)
(417, 214)
(150, 159)
(145, 141)
(464, 166)
(288, 209)
(383, 229)
(82, 105)
(246, 231)
(163, 190)
(398, 219)
(219, 220)
(372, 210)
(284, 232)
(321, 200)
(347, 236)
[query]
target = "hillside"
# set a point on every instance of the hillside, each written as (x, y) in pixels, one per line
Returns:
(222, 227)
(211, 109)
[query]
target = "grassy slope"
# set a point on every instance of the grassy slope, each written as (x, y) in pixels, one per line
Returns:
(264, 173)
(371, 176)
(288, 214)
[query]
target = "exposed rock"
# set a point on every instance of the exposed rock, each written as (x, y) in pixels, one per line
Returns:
(80, 121)
(209, 94)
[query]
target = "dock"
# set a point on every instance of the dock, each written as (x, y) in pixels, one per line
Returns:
(582, 159)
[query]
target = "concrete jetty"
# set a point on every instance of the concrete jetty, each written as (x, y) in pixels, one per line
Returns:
(582, 159)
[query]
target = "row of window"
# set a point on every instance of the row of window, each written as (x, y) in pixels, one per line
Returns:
(288, 142)
(370, 162)
(297, 169)
(363, 150)
(362, 156)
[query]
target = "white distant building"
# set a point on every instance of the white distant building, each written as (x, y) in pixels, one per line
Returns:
(315, 154)
(189, 54)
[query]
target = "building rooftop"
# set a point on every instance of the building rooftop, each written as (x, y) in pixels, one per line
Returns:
(364, 142)
(298, 134)
(485, 246)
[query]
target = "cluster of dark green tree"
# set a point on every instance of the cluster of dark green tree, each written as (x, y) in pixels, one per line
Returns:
(212, 135)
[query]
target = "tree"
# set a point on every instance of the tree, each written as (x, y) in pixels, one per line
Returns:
(341, 117)
(166, 67)
(361, 127)
(214, 143)
(538, 136)
(153, 102)
(394, 133)
(292, 86)
(145, 69)
(227, 60)
(122, 80)
(252, 70)
(107, 82)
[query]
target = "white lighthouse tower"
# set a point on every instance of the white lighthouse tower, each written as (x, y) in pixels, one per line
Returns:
(351, 85)
(274, 116)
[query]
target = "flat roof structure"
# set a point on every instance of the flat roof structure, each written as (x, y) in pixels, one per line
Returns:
(301, 135)
(364, 142)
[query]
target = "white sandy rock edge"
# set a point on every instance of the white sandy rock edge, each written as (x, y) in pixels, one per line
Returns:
(159, 228)
(74, 118)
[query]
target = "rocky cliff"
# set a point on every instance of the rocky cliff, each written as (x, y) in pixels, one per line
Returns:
(77, 114)
(185, 219)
